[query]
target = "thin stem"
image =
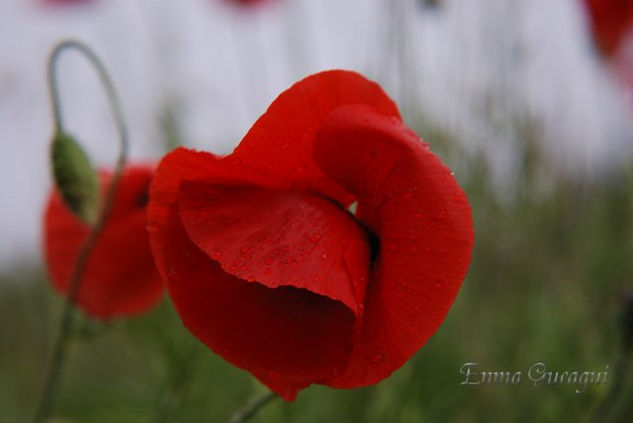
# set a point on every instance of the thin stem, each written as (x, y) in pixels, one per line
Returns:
(58, 359)
(173, 392)
(604, 411)
(253, 407)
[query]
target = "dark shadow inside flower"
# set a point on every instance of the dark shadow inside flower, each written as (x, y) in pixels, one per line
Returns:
(142, 197)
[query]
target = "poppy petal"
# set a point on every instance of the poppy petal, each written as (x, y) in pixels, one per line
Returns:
(287, 337)
(422, 219)
(120, 277)
(279, 238)
(280, 143)
(181, 164)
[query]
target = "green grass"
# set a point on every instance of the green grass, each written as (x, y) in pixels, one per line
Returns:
(544, 285)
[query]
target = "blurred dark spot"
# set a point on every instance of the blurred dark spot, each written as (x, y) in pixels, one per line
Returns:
(431, 4)
(374, 245)
(627, 319)
(142, 198)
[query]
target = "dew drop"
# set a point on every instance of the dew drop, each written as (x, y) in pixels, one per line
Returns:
(324, 256)
(377, 357)
(244, 250)
(274, 375)
(315, 237)
(215, 255)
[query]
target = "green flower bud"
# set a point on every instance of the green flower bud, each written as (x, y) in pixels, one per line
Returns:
(75, 177)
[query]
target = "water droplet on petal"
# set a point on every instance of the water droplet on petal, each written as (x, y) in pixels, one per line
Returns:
(377, 357)
(315, 237)
(274, 375)
(215, 255)
(324, 256)
(244, 249)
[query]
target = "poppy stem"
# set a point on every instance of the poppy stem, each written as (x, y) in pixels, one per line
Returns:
(253, 407)
(62, 343)
(179, 377)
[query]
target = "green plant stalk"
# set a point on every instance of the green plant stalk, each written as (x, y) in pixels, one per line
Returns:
(253, 407)
(49, 393)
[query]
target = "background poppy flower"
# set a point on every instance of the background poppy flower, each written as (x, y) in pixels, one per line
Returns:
(120, 278)
(65, 2)
(611, 21)
(266, 265)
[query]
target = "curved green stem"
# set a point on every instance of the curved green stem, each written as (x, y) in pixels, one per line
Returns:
(58, 359)
(253, 407)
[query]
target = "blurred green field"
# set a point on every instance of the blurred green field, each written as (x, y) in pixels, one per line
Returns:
(549, 266)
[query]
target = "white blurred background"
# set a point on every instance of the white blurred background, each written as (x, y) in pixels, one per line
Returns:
(474, 70)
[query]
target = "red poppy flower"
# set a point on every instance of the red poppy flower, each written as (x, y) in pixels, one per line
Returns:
(120, 278)
(268, 267)
(245, 3)
(65, 2)
(611, 21)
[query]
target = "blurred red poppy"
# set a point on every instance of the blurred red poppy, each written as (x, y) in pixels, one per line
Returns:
(611, 21)
(326, 249)
(120, 278)
(65, 2)
(246, 3)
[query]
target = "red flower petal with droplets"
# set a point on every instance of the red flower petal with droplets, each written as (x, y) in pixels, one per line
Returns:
(120, 278)
(267, 266)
